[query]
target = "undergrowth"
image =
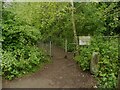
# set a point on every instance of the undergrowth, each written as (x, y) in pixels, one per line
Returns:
(108, 63)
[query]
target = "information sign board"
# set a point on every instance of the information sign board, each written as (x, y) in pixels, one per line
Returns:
(84, 40)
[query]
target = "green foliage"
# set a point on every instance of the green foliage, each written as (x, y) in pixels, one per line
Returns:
(84, 58)
(20, 53)
(26, 23)
(71, 47)
(108, 64)
(22, 61)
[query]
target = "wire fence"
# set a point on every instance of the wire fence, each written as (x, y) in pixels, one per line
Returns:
(107, 46)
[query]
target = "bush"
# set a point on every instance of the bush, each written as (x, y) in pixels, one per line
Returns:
(21, 61)
(108, 64)
(20, 53)
(84, 58)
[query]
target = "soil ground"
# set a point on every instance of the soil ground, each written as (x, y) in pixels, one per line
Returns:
(62, 73)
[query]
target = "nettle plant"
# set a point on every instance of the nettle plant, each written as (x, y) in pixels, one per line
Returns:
(20, 53)
(108, 63)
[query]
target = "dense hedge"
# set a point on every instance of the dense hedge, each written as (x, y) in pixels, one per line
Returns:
(22, 61)
(108, 64)
(20, 52)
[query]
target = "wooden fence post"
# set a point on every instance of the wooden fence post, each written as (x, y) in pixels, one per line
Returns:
(66, 48)
(50, 48)
(118, 83)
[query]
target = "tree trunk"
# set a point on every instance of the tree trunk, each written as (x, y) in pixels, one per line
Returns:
(74, 28)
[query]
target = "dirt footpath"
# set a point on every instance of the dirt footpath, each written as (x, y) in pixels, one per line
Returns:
(62, 73)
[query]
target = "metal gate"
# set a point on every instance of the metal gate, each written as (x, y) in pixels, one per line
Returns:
(52, 47)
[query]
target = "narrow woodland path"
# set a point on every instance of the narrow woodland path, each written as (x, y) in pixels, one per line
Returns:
(62, 73)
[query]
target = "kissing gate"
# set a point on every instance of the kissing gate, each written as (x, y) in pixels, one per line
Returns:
(51, 47)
